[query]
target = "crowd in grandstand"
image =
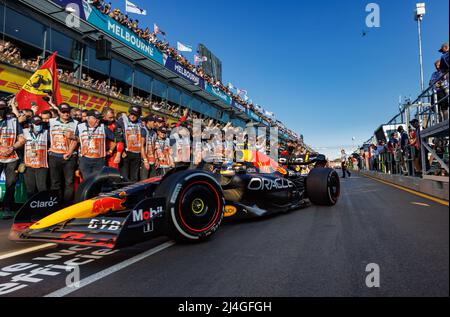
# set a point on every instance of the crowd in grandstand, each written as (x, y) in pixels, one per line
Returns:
(11, 54)
(151, 37)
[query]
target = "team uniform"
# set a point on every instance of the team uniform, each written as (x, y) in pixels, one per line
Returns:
(149, 150)
(133, 136)
(10, 130)
(93, 143)
(59, 167)
(36, 161)
(163, 157)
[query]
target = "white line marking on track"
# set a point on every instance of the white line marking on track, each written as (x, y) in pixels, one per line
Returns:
(25, 251)
(111, 270)
(420, 204)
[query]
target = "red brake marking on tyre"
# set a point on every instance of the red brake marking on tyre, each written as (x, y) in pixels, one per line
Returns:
(218, 207)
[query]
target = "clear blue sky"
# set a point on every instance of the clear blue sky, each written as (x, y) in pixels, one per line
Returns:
(307, 61)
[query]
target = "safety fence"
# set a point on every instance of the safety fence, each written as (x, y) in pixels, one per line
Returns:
(425, 150)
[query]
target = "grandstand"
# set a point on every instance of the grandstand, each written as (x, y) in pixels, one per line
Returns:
(136, 71)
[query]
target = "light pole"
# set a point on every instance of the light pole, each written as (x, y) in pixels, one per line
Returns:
(419, 13)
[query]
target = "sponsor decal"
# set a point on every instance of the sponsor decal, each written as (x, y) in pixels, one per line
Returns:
(106, 204)
(175, 194)
(258, 183)
(148, 227)
(148, 215)
(230, 211)
(104, 224)
(12, 80)
(176, 67)
(218, 93)
(44, 204)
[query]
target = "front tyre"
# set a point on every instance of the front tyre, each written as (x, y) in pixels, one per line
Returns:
(323, 187)
(194, 205)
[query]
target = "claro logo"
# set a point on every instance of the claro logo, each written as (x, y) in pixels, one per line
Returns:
(269, 184)
(152, 214)
(44, 204)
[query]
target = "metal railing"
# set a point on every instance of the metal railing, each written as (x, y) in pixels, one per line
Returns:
(429, 155)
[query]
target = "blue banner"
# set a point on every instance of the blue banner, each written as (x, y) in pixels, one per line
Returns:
(218, 93)
(238, 106)
(123, 34)
(177, 68)
(254, 116)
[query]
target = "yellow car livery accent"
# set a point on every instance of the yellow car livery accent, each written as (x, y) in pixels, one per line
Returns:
(230, 211)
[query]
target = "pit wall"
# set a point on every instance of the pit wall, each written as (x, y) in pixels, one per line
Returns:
(438, 189)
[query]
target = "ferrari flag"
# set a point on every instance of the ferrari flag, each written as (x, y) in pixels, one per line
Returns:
(43, 82)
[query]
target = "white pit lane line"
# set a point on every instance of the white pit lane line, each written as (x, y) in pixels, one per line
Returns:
(111, 270)
(27, 250)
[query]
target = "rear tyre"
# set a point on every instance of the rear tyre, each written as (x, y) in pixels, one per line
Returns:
(323, 187)
(194, 205)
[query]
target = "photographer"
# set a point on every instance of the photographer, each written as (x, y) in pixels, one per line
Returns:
(11, 139)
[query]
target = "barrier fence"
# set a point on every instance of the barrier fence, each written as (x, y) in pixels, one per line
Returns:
(427, 152)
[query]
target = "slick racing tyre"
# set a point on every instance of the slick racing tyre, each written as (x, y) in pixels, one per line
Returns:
(194, 205)
(103, 181)
(323, 187)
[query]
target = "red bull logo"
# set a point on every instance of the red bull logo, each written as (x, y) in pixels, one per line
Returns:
(107, 204)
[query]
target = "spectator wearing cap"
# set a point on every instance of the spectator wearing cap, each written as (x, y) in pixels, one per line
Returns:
(444, 58)
(148, 148)
(440, 88)
(93, 138)
(133, 135)
(114, 156)
(11, 139)
(61, 160)
(163, 157)
(35, 157)
(160, 122)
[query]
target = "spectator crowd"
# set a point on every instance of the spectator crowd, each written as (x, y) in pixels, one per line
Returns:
(61, 147)
(401, 153)
(152, 37)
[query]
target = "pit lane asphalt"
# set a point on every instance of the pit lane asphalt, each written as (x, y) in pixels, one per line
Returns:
(317, 251)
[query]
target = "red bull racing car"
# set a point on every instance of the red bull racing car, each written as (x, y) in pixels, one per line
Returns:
(187, 204)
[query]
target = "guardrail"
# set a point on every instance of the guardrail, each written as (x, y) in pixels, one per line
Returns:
(429, 155)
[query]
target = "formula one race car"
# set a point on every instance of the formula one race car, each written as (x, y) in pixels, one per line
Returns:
(187, 204)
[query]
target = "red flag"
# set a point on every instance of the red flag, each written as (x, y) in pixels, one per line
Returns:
(45, 79)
